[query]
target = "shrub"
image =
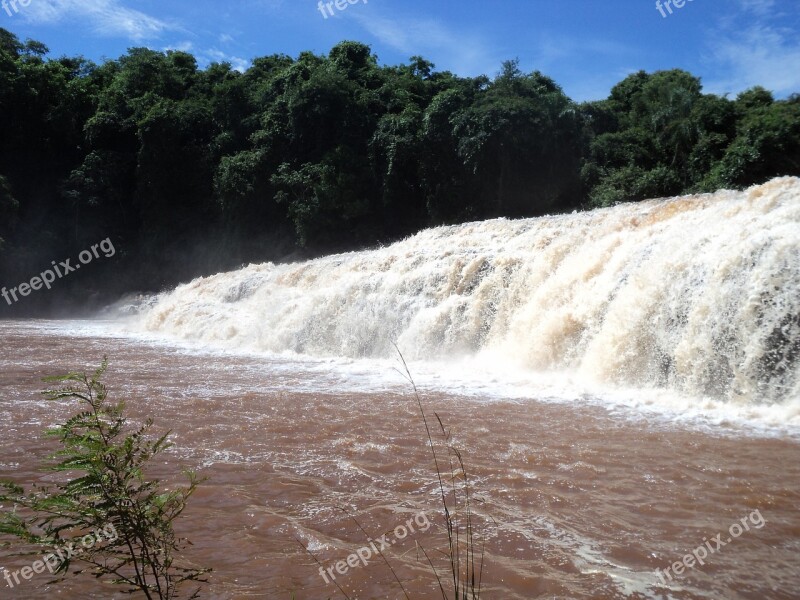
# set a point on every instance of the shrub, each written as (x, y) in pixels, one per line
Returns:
(107, 491)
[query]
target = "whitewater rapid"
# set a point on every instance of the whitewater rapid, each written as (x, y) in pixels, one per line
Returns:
(697, 295)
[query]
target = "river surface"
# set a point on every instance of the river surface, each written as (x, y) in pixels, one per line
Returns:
(576, 497)
(623, 386)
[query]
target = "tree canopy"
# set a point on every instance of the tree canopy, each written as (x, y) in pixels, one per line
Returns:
(191, 170)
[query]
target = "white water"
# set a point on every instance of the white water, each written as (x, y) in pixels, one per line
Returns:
(697, 296)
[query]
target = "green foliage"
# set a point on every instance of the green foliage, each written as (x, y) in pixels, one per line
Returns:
(174, 189)
(767, 144)
(104, 461)
(309, 191)
(240, 189)
(337, 151)
(634, 183)
(658, 135)
(520, 140)
(754, 98)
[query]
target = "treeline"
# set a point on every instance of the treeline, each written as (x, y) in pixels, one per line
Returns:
(191, 170)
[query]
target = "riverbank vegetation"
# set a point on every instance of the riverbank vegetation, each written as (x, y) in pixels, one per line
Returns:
(105, 461)
(192, 171)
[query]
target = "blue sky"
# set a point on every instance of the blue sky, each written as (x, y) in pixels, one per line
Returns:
(585, 45)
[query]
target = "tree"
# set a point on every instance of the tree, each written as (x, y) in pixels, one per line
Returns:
(445, 179)
(175, 168)
(754, 98)
(521, 140)
(767, 144)
(395, 149)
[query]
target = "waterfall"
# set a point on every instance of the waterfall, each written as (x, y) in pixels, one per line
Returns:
(700, 294)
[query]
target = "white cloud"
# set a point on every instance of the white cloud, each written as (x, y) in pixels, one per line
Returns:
(759, 54)
(570, 61)
(210, 55)
(185, 46)
(106, 17)
(470, 55)
(453, 51)
(759, 7)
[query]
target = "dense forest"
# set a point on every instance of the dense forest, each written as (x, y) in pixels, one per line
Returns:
(191, 171)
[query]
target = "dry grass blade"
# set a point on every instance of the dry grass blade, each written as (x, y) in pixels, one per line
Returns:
(385, 560)
(466, 573)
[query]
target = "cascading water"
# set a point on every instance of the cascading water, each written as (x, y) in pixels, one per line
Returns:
(698, 294)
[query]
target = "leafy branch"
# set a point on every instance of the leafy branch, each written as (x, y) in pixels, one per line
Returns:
(107, 490)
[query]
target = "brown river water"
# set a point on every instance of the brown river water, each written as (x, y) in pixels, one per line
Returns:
(623, 386)
(577, 500)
